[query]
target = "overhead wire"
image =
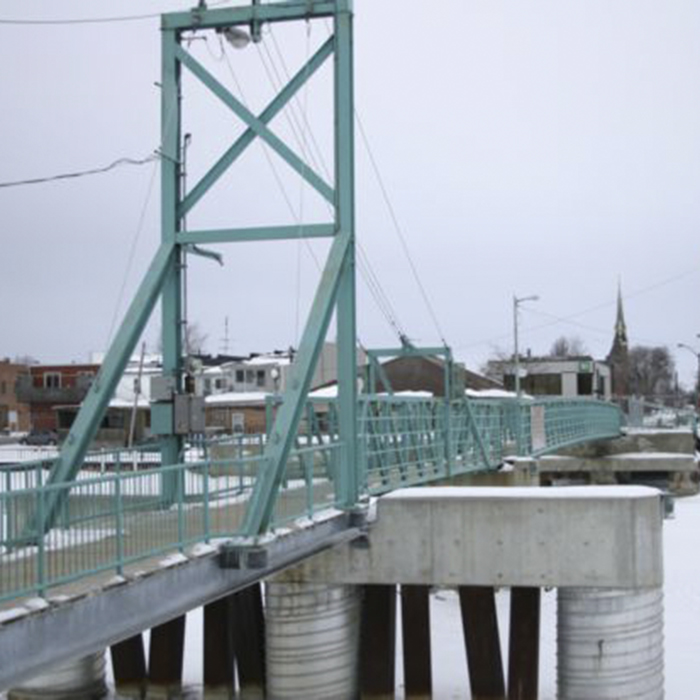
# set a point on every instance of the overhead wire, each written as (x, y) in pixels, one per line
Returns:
(81, 173)
(302, 188)
(597, 307)
(599, 331)
(94, 20)
(139, 227)
(394, 218)
(398, 229)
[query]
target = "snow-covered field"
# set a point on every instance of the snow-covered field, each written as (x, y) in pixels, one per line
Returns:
(682, 632)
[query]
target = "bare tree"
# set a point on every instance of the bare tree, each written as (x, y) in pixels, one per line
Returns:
(493, 367)
(568, 346)
(652, 371)
(193, 341)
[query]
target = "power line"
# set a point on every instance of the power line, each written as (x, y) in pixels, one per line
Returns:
(78, 20)
(92, 20)
(598, 307)
(81, 173)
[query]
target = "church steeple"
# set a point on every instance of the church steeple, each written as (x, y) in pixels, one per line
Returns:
(618, 357)
(620, 327)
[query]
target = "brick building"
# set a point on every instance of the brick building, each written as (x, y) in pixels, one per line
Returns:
(14, 414)
(46, 387)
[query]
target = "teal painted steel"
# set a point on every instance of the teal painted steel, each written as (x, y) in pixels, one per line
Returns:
(114, 514)
(347, 484)
(316, 454)
(171, 291)
(262, 233)
(260, 511)
(274, 107)
(254, 123)
(272, 12)
(95, 403)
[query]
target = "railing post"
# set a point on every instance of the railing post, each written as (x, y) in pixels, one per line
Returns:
(180, 510)
(9, 509)
(205, 487)
(120, 515)
(448, 437)
(41, 541)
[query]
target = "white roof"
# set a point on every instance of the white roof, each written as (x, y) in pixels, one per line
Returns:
(269, 360)
(233, 398)
(492, 394)
(118, 402)
(330, 392)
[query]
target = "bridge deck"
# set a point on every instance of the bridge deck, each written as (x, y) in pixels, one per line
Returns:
(138, 544)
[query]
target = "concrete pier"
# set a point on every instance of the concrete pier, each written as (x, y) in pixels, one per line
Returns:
(598, 536)
(476, 539)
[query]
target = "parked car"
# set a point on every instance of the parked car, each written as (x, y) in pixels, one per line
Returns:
(40, 437)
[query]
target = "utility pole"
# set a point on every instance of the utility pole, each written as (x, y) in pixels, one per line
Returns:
(516, 303)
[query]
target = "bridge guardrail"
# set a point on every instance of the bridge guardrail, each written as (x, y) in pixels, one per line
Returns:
(114, 516)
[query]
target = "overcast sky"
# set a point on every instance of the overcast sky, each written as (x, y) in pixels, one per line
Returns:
(541, 147)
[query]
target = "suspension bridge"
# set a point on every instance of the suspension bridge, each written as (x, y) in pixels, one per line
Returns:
(117, 542)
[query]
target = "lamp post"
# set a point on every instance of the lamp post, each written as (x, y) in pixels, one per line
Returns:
(516, 303)
(697, 376)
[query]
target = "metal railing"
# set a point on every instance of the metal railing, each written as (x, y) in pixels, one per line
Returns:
(640, 413)
(114, 518)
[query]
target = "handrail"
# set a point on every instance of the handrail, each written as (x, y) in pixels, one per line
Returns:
(113, 515)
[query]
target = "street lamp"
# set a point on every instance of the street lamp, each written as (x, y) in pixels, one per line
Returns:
(516, 303)
(697, 378)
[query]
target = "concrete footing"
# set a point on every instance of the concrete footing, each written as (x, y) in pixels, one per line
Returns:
(312, 635)
(610, 644)
(83, 679)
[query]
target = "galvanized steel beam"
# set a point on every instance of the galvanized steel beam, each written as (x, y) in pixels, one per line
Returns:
(261, 233)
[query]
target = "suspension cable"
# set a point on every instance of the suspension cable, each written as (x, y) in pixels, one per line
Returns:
(300, 124)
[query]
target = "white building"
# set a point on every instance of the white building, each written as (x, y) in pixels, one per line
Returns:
(569, 377)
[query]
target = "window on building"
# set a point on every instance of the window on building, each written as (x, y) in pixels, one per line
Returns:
(115, 420)
(260, 379)
(542, 384)
(52, 380)
(3, 387)
(240, 376)
(584, 384)
(250, 376)
(219, 384)
(601, 386)
(65, 420)
(207, 387)
(238, 422)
